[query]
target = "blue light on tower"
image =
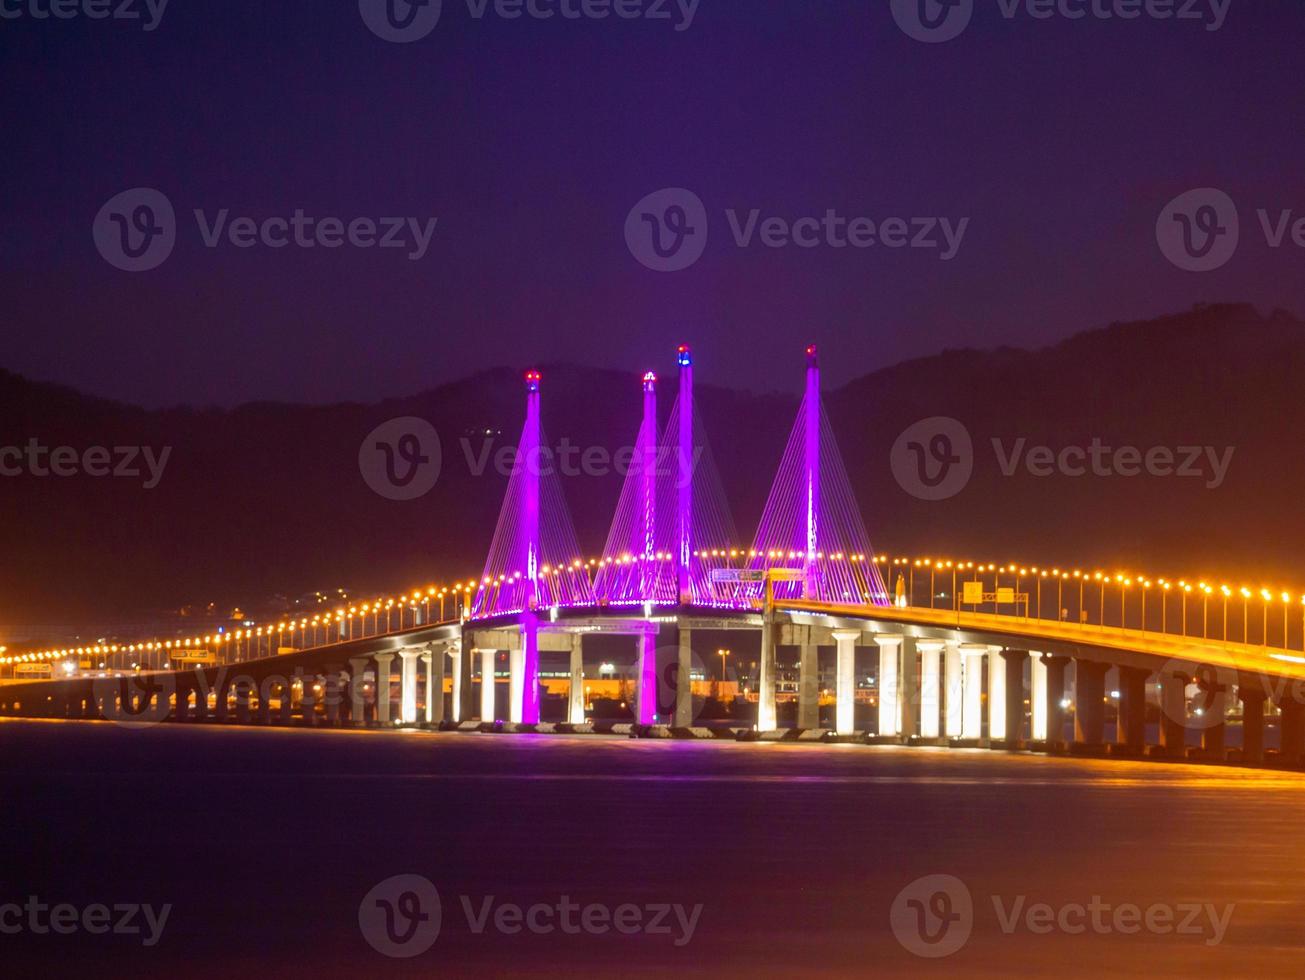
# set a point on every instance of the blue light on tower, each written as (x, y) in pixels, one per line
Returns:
(685, 358)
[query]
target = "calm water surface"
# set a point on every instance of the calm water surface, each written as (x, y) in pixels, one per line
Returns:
(265, 842)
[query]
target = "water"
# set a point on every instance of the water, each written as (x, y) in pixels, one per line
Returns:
(265, 842)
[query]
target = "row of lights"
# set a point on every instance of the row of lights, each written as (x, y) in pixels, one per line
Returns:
(1119, 578)
(406, 601)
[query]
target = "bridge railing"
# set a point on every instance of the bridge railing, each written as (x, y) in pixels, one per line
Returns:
(1182, 608)
(250, 641)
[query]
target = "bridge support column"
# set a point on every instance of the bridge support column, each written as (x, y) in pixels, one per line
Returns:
(242, 702)
(383, 661)
(909, 694)
(1130, 729)
(930, 700)
(996, 694)
(333, 694)
(575, 711)
(455, 669)
(890, 699)
(1292, 730)
(1173, 714)
(1055, 700)
(263, 715)
(487, 658)
(972, 718)
(684, 679)
(516, 684)
(433, 658)
(646, 697)
(808, 685)
(1037, 698)
(953, 687)
(530, 668)
(408, 686)
(1214, 716)
(308, 701)
(220, 708)
(357, 705)
(180, 710)
(1089, 701)
(1014, 661)
(285, 713)
(845, 689)
(766, 718)
(1252, 723)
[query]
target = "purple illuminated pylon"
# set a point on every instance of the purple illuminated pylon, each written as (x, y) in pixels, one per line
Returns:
(671, 524)
(811, 520)
(534, 562)
(636, 566)
(684, 479)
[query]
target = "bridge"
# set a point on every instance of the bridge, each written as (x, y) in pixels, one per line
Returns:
(979, 664)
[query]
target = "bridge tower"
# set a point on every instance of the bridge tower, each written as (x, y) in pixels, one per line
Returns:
(684, 481)
(811, 527)
(534, 561)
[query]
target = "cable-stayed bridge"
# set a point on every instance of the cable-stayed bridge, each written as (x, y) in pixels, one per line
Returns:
(672, 566)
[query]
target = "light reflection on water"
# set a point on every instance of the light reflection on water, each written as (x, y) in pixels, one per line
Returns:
(265, 840)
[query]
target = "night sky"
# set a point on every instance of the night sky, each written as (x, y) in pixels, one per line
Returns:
(530, 141)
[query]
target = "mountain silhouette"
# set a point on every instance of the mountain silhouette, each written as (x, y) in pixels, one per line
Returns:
(268, 499)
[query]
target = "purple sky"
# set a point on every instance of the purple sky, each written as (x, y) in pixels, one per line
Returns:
(530, 141)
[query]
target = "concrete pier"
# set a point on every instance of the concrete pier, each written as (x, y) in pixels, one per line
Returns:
(1089, 701)
(845, 690)
(890, 707)
(487, 661)
(953, 690)
(930, 687)
(575, 710)
(383, 661)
